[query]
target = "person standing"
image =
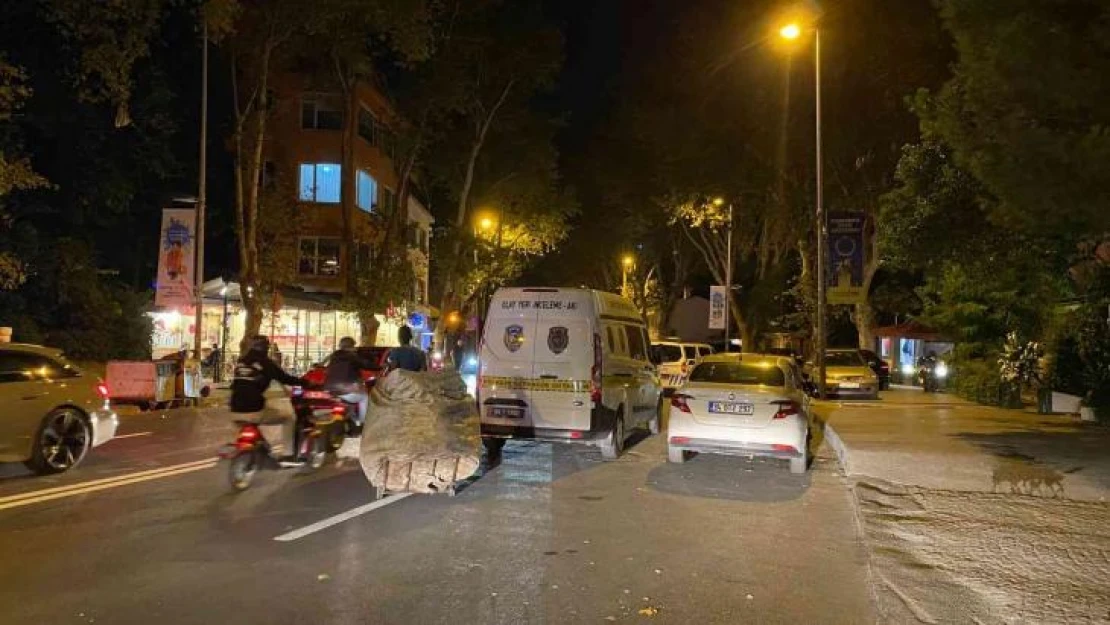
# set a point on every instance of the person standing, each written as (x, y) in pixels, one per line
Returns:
(407, 356)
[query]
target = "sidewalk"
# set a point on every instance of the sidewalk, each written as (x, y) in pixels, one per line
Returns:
(973, 514)
(942, 442)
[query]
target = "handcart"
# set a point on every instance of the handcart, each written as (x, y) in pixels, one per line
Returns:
(404, 472)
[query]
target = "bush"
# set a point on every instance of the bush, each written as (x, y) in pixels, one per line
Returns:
(980, 381)
(1081, 357)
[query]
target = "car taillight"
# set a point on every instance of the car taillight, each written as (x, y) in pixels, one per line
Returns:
(788, 448)
(685, 368)
(249, 434)
(595, 372)
(679, 440)
(102, 391)
(786, 409)
(575, 434)
(679, 401)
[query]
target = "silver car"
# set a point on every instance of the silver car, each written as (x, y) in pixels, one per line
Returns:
(741, 404)
(52, 412)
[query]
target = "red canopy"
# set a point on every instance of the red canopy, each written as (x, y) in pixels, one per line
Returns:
(909, 330)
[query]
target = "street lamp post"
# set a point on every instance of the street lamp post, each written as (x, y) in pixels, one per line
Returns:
(198, 329)
(793, 31)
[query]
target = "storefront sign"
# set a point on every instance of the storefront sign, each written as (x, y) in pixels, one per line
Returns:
(717, 308)
(845, 268)
(176, 256)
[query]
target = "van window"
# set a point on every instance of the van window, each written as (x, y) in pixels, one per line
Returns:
(669, 353)
(611, 332)
(637, 347)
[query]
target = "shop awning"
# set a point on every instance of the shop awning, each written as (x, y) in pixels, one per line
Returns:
(909, 330)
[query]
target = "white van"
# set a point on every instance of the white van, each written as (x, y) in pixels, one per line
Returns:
(569, 365)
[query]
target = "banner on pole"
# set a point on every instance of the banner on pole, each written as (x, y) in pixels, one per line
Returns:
(844, 275)
(176, 257)
(717, 308)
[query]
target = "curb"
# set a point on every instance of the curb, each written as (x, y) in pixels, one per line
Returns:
(839, 447)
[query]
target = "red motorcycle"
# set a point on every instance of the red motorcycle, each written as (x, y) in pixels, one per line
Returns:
(318, 430)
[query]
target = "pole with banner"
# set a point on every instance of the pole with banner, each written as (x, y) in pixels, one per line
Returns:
(844, 271)
(176, 256)
(717, 312)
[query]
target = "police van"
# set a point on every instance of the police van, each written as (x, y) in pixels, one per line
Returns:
(567, 365)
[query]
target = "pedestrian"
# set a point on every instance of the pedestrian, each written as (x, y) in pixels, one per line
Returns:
(406, 356)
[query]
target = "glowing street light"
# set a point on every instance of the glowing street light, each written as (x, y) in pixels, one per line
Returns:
(793, 31)
(486, 223)
(627, 261)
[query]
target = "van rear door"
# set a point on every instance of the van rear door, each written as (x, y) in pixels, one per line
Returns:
(563, 357)
(506, 362)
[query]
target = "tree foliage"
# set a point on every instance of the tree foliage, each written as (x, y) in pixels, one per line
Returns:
(1026, 111)
(16, 173)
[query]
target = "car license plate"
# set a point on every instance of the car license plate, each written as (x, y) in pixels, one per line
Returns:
(501, 412)
(849, 385)
(727, 407)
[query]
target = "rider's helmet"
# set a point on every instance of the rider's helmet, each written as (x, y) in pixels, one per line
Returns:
(346, 343)
(259, 344)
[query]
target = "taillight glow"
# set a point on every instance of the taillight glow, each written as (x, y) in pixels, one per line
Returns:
(596, 372)
(678, 400)
(339, 409)
(789, 448)
(249, 433)
(786, 409)
(575, 434)
(102, 391)
(679, 440)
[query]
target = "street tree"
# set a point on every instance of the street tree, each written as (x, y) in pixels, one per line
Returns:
(109, 38)
(1026, 111)
(16, 173)
(257, 36)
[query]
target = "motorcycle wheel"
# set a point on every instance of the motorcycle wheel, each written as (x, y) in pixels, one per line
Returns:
(241, 470)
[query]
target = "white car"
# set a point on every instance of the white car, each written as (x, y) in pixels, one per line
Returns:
(741, 404)
(53, 413)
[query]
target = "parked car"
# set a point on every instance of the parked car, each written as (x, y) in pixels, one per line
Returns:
(675, 359)
(879, 366)
(847, 374)
(567, 365)
(742, 404)
(53, 413)
(374, 355)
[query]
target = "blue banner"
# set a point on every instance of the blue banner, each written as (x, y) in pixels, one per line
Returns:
(844, 272)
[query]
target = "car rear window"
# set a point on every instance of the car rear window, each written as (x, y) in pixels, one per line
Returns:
(738, 373)
(690, 351)
(844, 359)
(669, 353)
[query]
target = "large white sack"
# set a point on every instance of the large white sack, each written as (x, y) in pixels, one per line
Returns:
(425, 421)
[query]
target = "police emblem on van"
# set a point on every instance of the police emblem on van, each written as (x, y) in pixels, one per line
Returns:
(557, 339)
(514, 337)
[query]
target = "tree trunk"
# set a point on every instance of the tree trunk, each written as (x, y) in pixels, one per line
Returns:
(864, 316)
(369, 324)
(865, 324)
(347, 180)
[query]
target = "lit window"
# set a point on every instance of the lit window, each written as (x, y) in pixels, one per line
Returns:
(319, 257)
(320, 182)
(367, 191)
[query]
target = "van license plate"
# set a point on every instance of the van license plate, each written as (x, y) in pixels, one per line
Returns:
(500, 412)
(726, 407)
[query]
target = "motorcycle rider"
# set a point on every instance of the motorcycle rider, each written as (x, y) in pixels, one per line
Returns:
(927, 368)
(254, 371)
(343, 377)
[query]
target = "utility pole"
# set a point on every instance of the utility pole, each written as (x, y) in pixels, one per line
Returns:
(198, 329)
(728, 280)
(822, 303)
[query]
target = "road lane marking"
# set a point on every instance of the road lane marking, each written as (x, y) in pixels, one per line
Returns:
(119, 436)
(58, 492)
(339, 518)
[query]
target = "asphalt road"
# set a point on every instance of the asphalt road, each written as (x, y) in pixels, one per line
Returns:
(146, 531)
